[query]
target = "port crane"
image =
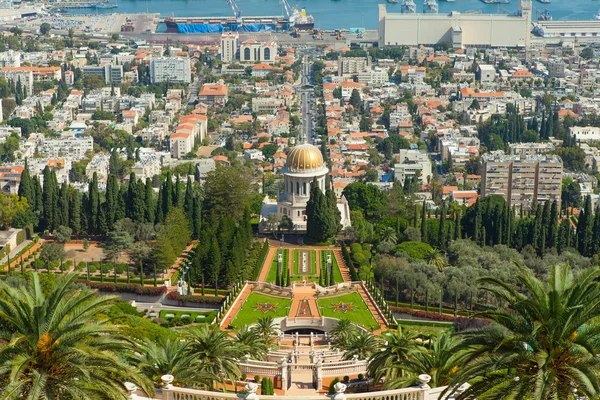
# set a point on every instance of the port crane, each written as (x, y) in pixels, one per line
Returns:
(289, 11)
(236, 10)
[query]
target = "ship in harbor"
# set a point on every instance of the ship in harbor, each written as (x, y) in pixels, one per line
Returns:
(292, 20)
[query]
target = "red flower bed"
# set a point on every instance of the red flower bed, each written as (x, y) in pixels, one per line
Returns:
(127, 288)
(423, 314)
(195, 299)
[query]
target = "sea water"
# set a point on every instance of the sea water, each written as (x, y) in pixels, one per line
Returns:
(334, 14)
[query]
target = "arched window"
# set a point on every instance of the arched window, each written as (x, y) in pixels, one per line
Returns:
(304, 188)
(298, 188)
(267, 54)
(247, 54)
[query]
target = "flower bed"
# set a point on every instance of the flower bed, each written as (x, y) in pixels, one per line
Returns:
(127, 288)
(434, 316)
(195, 299)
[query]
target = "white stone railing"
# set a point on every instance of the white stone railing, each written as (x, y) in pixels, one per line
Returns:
(345, 368)
(261, 369)
(176, 393)
(264, 285)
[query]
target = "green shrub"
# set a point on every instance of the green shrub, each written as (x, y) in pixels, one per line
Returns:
(415, 250)
(331, 389)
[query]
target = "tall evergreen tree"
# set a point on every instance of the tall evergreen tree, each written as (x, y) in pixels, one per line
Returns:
(424, 222)
(319, 221)
(584, 227)
(188, 202)
(336, 215)
(112, 195)
(26, 188)
(121, 211)
(442, 226)
(149, 200)
(63, 205)
(94, 204)
(553, 226)
(75, 201)
(37, 188)
(197, 217)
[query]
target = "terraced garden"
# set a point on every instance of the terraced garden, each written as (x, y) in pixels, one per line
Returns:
(259, 305)
(350, 306)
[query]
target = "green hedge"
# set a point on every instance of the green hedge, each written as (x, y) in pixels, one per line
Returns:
(437, 324)
(261, 260)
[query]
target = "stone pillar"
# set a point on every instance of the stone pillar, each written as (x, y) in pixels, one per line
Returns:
(283, 370)
(319, 366)
(311, 339)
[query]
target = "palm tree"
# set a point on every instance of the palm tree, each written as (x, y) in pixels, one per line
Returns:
(250, 342)
(60, 345)
(398, 347)
(170, 357)
(439, 359)
(388, 234)
(265, 328)
(361, 344)
(436, 258)
(340, 334)
(544, 345)
(216, 353)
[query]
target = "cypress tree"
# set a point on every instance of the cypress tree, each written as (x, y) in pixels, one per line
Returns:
(563, 236)
(26, 188)
(595, 243)
(552, 226)
(584, 227)
(63, 204)
(442, 226)
(37, 189)
(148, 193)
(75, 212)
(177, 199)
(319, 224)
(158, 215)
(197, 216)
(478, 228)
(121, 211)
(336, 216)
(167, 195)
(424, 222)
(188, 202)
(538, 236)
(112, 194)
(94, 204)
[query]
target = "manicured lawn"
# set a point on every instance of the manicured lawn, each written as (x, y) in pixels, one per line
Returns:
(337, 273)
(207, 317)
(360, 314)
(249, 314)
(272, 275)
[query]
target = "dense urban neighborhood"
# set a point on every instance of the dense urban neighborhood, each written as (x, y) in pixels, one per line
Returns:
(254, 216)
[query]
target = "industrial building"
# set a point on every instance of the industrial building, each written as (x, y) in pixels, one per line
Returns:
(581, 30)
(522, 180)
(462, 30)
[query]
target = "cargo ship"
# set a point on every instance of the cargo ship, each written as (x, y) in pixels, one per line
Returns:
(293, 20)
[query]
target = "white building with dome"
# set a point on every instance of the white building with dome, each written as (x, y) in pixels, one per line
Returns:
(304, 164)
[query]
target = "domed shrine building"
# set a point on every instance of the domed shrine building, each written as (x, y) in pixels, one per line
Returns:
(304, 164)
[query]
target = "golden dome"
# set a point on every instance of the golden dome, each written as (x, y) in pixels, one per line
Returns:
(304, 158)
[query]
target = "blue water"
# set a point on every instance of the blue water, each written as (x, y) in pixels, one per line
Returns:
(331, 14)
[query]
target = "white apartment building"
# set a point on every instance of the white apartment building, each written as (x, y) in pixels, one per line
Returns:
(373, 77)
(170, 69)
(229, 46)
(586, 133)
(353, 65)
(486, 73)
(252, 51)
(266, 105)
(149, 164)
(73, 147)
(412, 162)
(25, 76)
(10, 59)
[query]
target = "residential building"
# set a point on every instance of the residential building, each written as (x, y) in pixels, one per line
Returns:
(353, 65)
(556, 69)
(412, 163)
(373, 77)
(213, 93)
(486, 73)
(586, 133)
(522, 180)
(170, 69)
(10, 59)
(266, 105)
(229, 46)
(112, 74)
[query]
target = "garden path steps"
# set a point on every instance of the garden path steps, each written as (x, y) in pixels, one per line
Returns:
(264, 270)
(237, 305)
(342, 264)
(372, 307)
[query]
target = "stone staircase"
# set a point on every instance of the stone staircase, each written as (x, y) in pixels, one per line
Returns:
(342, 264)
(372, 307)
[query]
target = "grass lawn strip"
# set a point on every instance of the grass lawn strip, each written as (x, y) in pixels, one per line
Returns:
(337, 273)
(272, 275)
(360, 315)
(249, 314)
